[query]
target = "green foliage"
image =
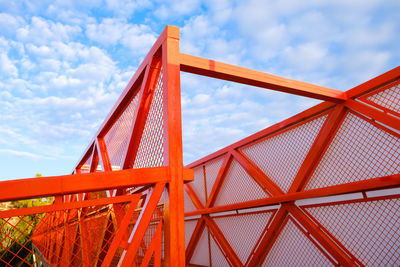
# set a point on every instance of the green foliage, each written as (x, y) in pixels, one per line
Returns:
(16, 232)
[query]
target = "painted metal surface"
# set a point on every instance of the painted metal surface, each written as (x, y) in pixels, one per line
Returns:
(320, 188)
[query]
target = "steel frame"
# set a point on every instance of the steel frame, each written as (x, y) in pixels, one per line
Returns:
(133, 185)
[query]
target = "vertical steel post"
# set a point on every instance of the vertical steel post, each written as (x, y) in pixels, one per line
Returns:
(174, 209)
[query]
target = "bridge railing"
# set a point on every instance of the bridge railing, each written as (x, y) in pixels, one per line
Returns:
(324, 183)
(320, 188)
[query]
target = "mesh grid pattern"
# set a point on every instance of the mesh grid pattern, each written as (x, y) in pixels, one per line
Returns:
(389, 98)
(369, 230)
(243, 231)
(236, 187)
(85, 168)
(57, 238)
(117, 137)
(294, 248)
(15, 240)
(151, 148)
(189, 206)
(189, 228)
(148, 236)
(198, 184)
(212, 169)
(359, 151)
(217, 258)
(281, 156)
(201, 252)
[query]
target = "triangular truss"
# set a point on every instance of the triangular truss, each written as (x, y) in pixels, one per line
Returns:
(320, 188)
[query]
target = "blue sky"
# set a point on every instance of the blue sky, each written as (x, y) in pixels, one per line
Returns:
(63, 64)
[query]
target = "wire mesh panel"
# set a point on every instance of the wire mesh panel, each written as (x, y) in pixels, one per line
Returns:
(189, 228)
(370, 230)
(201, 252)
(117, 137)
(189, 206)
(281, 155)
(217, 257)
(149, 235)
(69, 237)
(86, 165)
(151, 148)
(294, 248)
(16, 246)
(387, 98)
(237, 185)
(198, 185)
(211, 169)
(243, 231)
(359, 151)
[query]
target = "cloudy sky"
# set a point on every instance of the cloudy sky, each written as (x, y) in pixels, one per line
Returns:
(63, 64)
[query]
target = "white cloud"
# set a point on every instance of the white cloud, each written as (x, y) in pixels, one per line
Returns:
(306, 56)
(125, 8)
(41, 31)
(20, 153)
(173, 8)
(139, 38)
(9, 23)
(7, 67)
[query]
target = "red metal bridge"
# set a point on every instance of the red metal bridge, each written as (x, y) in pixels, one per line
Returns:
(320, 188)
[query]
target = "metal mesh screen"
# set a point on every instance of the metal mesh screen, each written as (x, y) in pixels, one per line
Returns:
(117, 137)
(148, 236)
(294, 248)
(71, 237)
(189, 206)
(358, 152)
(212, 169)
(237, 185)
(217, 257)
(243, 231)
(200, 255)
(370, 230)
(281, 155)
(388, 99)
(198, 184)
(189, 228)
(151, 148)
(86, 166)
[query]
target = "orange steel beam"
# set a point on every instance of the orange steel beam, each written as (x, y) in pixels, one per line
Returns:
(135, 133)
(373, 113)
(219, 180)
(374, 83)
(66, 206)
(333, 248)
(224, 244)
(269, 238)
(321, 143)
(77, 183)
(154, 248)
(142, 224)
(194, 239)
(276, 128)
(257, 174)
(121, 232)
(174, 234)
(196, 201)
(103, 155)
(129, 91)
(223, 71)
(366, 185)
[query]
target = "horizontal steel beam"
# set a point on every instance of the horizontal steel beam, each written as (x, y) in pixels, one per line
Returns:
(78, 183)
(223, 71)
(371, 184)
(68, 206)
